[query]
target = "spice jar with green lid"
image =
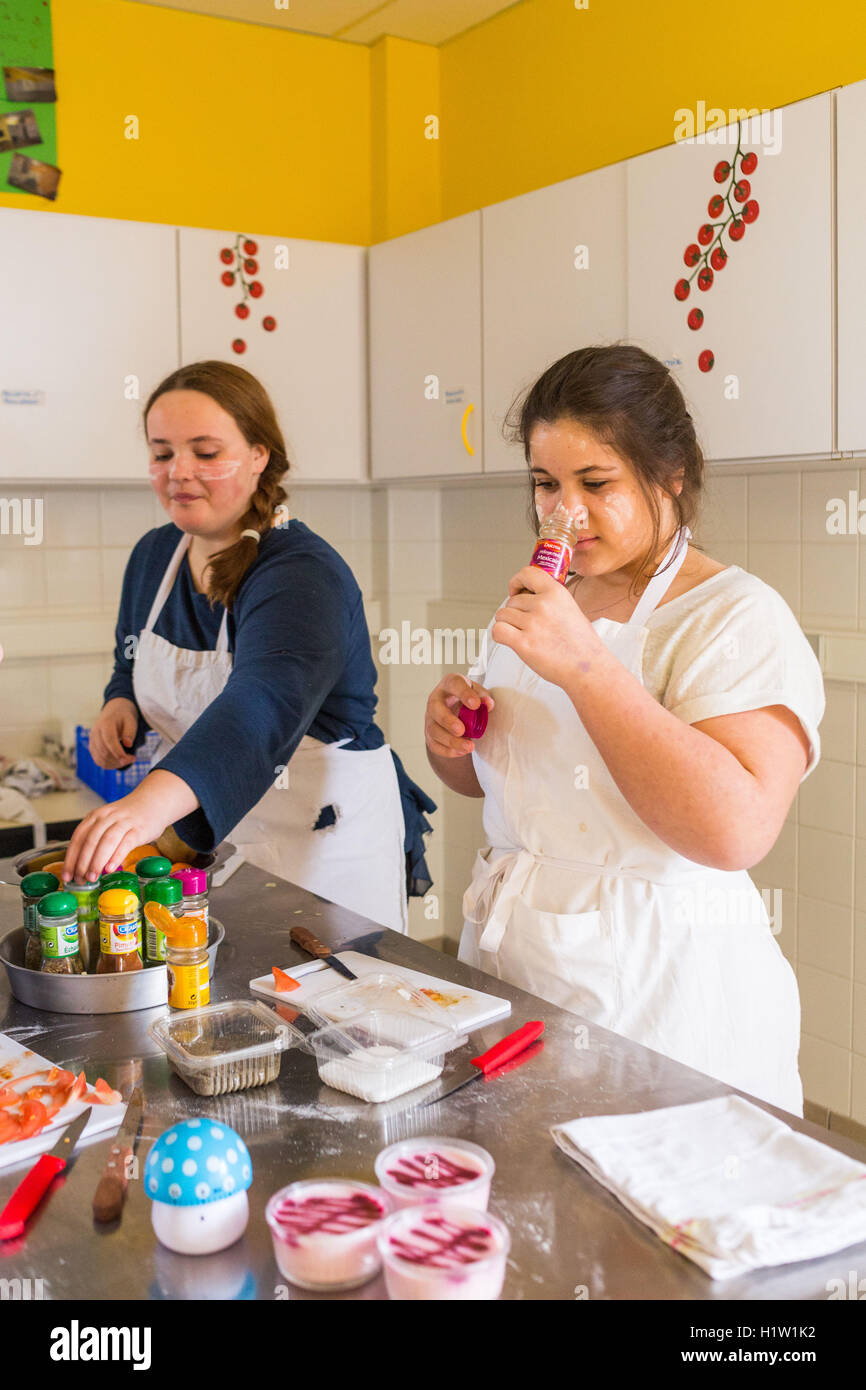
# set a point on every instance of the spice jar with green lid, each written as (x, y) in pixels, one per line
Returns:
(151, 869)
(58, 929)
(170, 893)
(34, 887)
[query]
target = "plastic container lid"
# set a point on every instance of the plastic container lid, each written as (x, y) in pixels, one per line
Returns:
(121, 880)
(153, 867)
(474, 720)
(57, 905)
(222, 1033)
(37, 885)
(117, 902)
(166, 891)
(194, 881)
(381, 992)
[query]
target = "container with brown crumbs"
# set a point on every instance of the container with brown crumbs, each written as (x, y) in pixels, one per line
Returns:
(224, 1047)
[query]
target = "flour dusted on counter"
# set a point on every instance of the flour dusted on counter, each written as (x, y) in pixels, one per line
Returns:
(368, 1072)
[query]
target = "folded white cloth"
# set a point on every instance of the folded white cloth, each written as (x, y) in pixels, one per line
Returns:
(724, 1182)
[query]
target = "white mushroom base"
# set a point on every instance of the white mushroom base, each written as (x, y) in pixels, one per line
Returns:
(202, 1229)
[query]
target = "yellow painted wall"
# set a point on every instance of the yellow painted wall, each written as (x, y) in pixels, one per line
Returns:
(545, 91)
(406, 191)
(241, 125)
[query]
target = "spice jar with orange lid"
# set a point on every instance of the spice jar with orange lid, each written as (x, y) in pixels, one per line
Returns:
(186, 957)
(118, 932)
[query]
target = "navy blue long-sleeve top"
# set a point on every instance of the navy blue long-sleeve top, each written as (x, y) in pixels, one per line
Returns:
(301, 664)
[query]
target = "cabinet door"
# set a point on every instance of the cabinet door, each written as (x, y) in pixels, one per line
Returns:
(554, 270)
(767, 316)
(851, 222)
(89, 326)
(425, 351)
(312, 363)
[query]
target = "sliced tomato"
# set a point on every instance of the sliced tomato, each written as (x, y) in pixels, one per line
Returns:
(34, 1117)
(282, 981)
(78, 1087)
(10, 1126)
(8, 1096)
(103, 1094)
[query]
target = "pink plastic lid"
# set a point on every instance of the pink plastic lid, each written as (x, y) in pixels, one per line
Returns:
(474, 720)
(192, 880)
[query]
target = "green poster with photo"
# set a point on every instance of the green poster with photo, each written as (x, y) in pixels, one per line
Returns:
(25, 42)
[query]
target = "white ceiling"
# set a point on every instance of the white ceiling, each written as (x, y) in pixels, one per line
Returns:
(356, 21)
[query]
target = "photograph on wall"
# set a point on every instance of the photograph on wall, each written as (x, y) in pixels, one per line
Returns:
(29, 84)
(17, 129)
(33, 176)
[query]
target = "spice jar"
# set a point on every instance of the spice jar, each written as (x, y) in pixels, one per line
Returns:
(119, 925)
(194, 884)
(186, 958)
(58, 929)
(34, 887)
(87, 897)
(124, 879)
(150, 870)
(557, 537)
(169, 893)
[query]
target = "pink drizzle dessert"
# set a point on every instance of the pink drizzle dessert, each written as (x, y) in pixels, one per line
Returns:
(324, 1232)
(426, 1169)
(444, 1251)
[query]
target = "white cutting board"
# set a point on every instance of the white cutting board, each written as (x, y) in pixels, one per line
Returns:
(16, 1060)
(466, 1009)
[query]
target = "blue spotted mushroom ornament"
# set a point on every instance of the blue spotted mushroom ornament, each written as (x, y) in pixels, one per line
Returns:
(197, 1175)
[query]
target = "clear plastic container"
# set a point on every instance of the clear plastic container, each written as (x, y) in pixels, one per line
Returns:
(383, 1053)
(443, 1250)
(324, 1232)
(224, 1047)
(431, 1167)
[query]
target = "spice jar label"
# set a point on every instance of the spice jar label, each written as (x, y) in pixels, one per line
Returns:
(553, 556)
(118, 938)
(188, 985)
(59, 940)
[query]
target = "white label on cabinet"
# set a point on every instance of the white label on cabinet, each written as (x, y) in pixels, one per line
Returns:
(22, 397)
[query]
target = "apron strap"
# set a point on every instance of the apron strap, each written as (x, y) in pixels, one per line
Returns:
(162, 593)
(660, 583)
(168, 579)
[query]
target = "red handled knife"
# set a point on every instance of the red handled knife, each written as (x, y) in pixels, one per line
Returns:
(495, 1057)
(30, 1191)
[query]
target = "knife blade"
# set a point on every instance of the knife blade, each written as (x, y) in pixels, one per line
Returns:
(111, 1189)
(314, 947)
(496, 1056)
(30, 1191)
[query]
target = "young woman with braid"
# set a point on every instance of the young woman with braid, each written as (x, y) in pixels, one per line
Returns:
(242, 641)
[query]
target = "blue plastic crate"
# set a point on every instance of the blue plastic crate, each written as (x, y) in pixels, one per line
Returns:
(111, 783)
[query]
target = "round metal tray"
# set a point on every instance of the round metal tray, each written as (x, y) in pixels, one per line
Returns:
(91, 994)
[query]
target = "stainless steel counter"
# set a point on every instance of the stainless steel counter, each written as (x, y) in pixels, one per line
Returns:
(570, 1237)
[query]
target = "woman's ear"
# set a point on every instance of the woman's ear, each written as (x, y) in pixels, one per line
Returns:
(260, 457)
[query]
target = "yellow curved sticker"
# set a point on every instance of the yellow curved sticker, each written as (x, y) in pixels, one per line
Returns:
(467, 412)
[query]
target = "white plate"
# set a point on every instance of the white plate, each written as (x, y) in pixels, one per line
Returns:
(466, 1009)
(16, 1060)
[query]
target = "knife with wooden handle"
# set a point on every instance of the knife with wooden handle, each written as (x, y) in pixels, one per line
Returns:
(111, 1190)
(314, 947)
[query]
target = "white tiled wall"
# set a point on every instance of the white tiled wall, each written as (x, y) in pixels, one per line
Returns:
(441, 556)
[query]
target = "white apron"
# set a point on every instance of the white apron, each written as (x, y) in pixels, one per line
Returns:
(358, 862)
(579, 902)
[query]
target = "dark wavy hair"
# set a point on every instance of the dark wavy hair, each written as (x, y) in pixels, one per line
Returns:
(629, 401)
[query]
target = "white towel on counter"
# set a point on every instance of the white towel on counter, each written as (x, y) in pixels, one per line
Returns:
(724, 1183)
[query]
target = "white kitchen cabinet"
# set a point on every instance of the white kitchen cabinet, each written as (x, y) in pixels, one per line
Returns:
(425, 351)
(313, 364)
(768, 314)
(554, 276)
(851, 221)
(89, 326)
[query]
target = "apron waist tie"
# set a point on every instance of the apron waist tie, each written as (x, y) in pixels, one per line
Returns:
(491, 898)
